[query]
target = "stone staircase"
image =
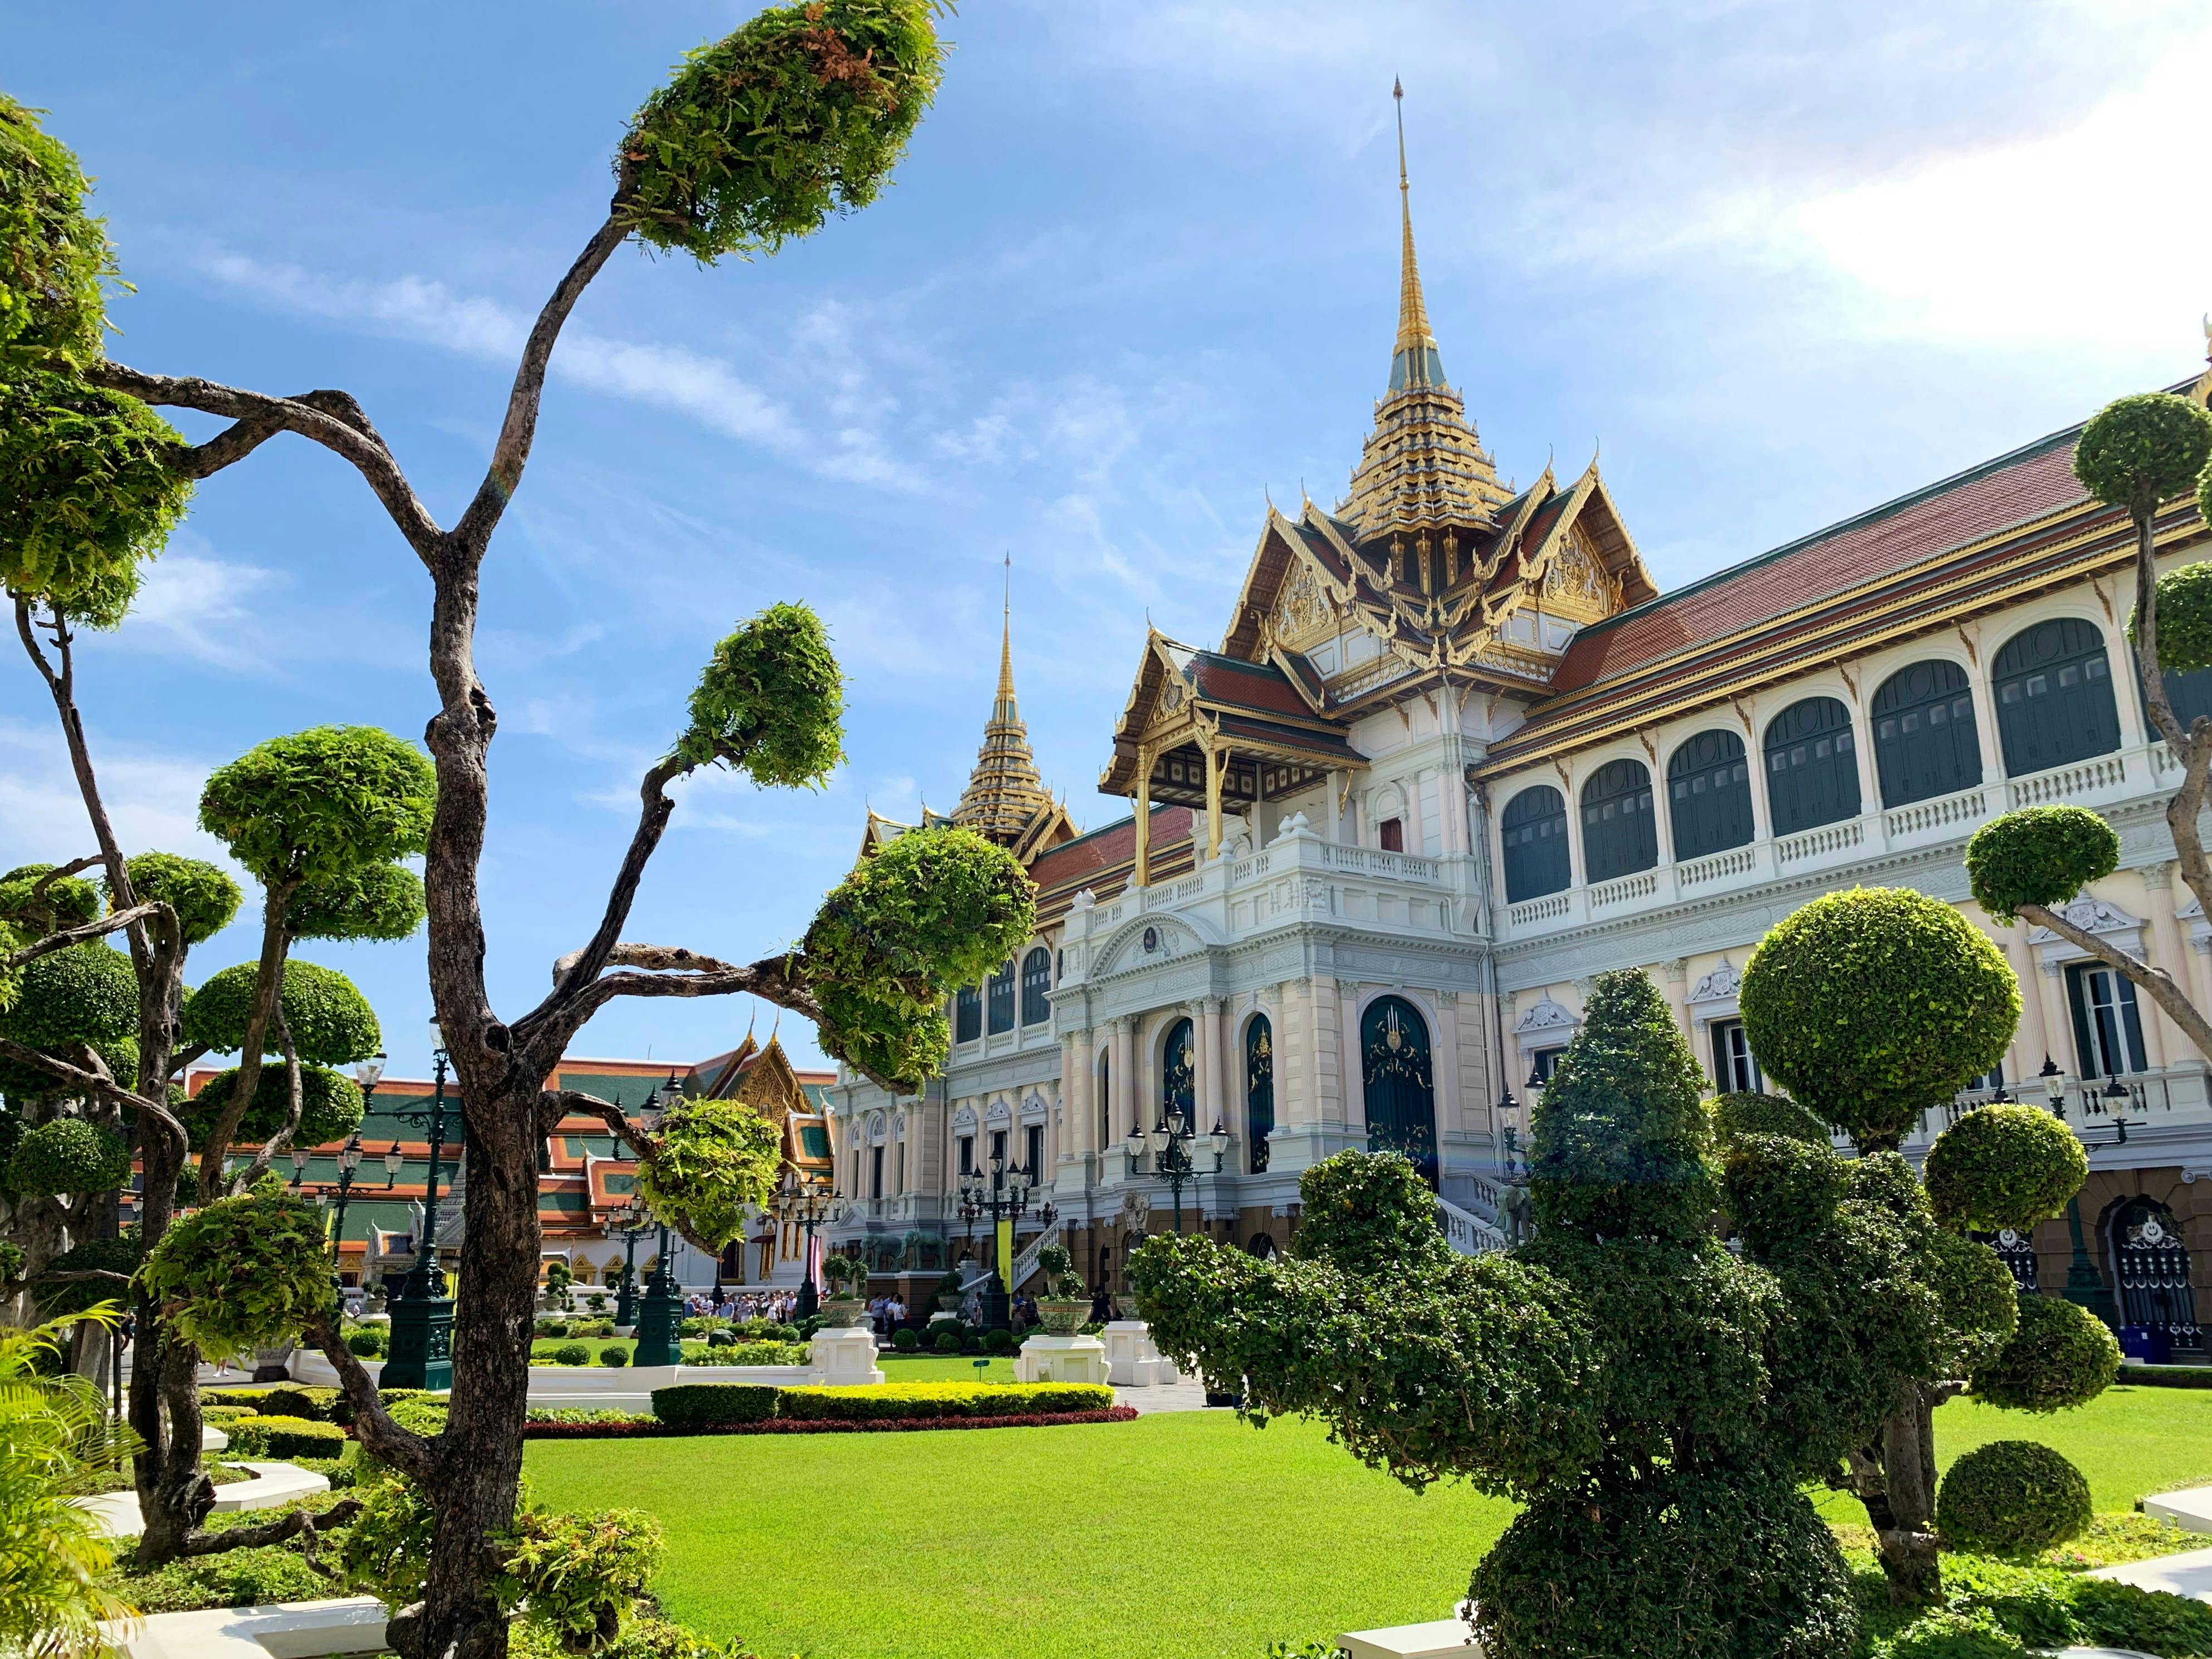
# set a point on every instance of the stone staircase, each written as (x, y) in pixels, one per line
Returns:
(1466, 1232)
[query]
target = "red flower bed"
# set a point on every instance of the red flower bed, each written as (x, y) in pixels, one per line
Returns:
(785, 1425)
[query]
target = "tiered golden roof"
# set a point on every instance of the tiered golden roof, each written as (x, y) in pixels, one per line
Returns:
(1005, 792)
(1423, 467)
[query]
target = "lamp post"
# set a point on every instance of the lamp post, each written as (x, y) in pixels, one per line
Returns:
(1508, 1114)
(2085, 1285)
(632, 1227)
(1003, 1195)
(1170, 1142)
(659, 1314)
(810, 1205)
(422, 1320)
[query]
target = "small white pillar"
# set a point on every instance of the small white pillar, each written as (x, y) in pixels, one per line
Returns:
(1046, 1358)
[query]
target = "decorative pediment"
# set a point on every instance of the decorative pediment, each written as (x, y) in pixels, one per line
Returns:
(1723, 984)
(1000, 1112)
(963, 1120)
(1547, 1016)
(2091, 915)
(1149, 941)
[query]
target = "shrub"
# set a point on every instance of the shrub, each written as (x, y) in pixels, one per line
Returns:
(947, 1342)
(571, 1354)
(318, 1405)
(542, 1327)
(906, 1341)
(2039, 855)
(423, 1416)
(242, 1272)
(203, 895)
(1945, 1634)
(614, 1354)
(88, 994)
(579, 1575)
(593, 1328)
(999, 1340)
(695, 1403)
(1735, 1115)
(372, 901)
(694, 1326)
(720, 1340)
(369, 1341)
(330, 1106)
(68, 1156)
(713, 1160)
(2004, 1166)
(2013, 1498)
(330, 1022)
(2060, 1356)
(2140, 451)
(891, 1402)
(971, 1343)
(2184, 618)
(1873, 1005)
(272, 1436)
(313, 805)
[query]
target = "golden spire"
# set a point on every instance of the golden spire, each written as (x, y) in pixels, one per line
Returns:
(1415, 360)
(1005, 792)
(1422, 469)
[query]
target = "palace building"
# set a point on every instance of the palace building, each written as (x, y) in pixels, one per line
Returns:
(1456, 753)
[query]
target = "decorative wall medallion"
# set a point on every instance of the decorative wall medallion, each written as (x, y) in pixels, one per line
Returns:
(1724, 982)
(1151, 940)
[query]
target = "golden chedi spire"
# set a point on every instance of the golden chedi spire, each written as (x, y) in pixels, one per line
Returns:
(1005, 791)
(1422, 469)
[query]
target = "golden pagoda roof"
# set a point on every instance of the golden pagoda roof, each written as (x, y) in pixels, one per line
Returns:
(1005, 792)
(1423, 468)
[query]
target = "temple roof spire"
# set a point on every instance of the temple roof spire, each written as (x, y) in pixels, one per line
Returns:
(1005, 792)
(1414, 360)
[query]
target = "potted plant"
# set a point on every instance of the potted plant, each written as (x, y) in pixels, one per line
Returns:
(847, 1304)
(1064, 1306)
(949, 1297)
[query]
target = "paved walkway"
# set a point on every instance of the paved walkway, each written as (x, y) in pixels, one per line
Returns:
(1164, 1397)
(2188, 1574)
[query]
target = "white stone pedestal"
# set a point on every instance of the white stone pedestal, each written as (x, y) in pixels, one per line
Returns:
(841, 1356)
(1132, 1361)
(1061, 1360)
(1442, 1638)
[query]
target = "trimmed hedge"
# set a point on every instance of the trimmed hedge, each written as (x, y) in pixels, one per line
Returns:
(2165, 1377)
(693, 1403)
(887, 1401)
(614, 1354)
(1751, 1113)
(285, 1437)
(546, 1429)
(2013, 1498)
(317, 1404)
(571, 1354)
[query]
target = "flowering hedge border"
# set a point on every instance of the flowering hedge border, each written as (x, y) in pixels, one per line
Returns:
(818, 1425)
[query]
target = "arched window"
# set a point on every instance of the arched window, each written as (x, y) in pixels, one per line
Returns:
(1394, 1060)
(1535, 830)
(1709, 795)
(1618, 834)
(1179, 1073)
(1259, 1092)
(2054, 692)
(1036, 986)
(1002, 998)
(968, 1014)
(1812, 769)
(1924, 738)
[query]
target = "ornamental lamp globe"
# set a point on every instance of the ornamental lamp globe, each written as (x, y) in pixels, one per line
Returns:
(2054, 1085)
(393, 1160)
(1221, 1139)
(1159, 1138)
(298, 1164)
(369, 1072)
(437, 1036)
(1137, 1141)
(349, 1154)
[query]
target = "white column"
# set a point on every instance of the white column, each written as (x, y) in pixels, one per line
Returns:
(1078, 1090)
(1205, 1082)
(1122, 1076)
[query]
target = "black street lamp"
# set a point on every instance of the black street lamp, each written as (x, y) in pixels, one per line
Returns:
(809, 1205)
(1509, 1113)
(1004, 1195)
(633, 1227)
(422, 1320)
(2085, 1285)
(1170, 1142)
(660, 1315)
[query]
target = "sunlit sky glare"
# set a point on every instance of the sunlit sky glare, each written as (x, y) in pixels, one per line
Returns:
(1139, 271)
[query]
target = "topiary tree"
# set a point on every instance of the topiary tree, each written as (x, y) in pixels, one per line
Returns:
(2013, 1498)
(331, 1021)
(1653, 1401)
(330, 1106)
(1873, 1006)
(203, 895)
(758, 139)
(2060, 1356)
(248, 1271)
(319, 815)
(2139, 454)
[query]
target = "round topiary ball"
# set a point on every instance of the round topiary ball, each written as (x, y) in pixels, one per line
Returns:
(242, 1272)
(2039, 855)
(1749, 1113)
(64, 901)
(377, 901)
(330, 1106)
(713, 1160)
(331, 1021)
(66, 1157)
(2012, 1498)
(1979, 1299)
(2138, 452)
(2061, 1356)
(1873, 1005)
(313, 804)
(2184, 618)
(2004, 1166)
(203, 895)
(87, 993)
(771, 701)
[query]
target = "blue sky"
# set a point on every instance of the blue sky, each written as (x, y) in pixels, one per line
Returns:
(1138, 271)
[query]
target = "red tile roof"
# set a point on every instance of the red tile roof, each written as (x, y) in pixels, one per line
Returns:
(2013, 490)
(1259, 686)
(1101, 849)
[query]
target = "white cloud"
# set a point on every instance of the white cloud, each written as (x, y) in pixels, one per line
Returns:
(202, 608)
(152, 800)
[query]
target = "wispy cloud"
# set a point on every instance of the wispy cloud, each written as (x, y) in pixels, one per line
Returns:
(153, 798)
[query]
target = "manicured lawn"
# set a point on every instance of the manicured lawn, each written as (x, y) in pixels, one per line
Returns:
(2130, 1441)
(1186, 1534)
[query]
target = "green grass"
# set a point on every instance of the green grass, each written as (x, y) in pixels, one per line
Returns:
(1184, 1533)
(2130, 1443)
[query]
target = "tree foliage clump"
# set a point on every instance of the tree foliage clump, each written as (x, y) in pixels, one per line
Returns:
(763, 135)
(2004, 1166)
(1873, 1005)
(330, 1106)
(330, 1022)
(934, 908)
(2039, 855)
(318, 803)
(1751, 1113)
(55, 259)
(66, 1157)
(2140, 452)
(243, 1273)
(2061, 1356)
(68, 1298)
(373, 901)
(711, 1159)
(2013, 1498)
(64, 901)
(2184, 618)
(203, 895)
(86, 994)
(771, 700)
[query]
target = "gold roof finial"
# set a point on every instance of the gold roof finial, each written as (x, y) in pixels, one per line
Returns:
(1005, 791)
(1414, 360)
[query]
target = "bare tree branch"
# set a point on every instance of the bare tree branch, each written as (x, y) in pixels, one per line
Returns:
(558, 1103)
(2153, 979)
(299, 1523)
(290, 1127)
(384, 1439)
(96, 929)
(90, 1083)
(310, 417)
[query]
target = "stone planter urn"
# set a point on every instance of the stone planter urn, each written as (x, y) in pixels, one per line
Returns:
(844, 1312)
(1061, 1317)
(950, 1302)
(273, 1365)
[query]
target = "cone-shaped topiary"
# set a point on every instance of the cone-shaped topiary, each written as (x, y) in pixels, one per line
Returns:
(330, 1106)
(332, 1023)
(1620, 1138)
(1873, 1005)
(2039, 855)
(2004, 1166)
(2013, 1498)
(2061, 1356)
